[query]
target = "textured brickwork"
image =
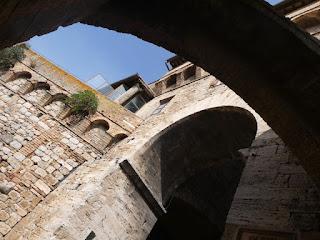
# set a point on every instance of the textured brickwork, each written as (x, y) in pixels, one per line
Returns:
(274, 193)
(39, 147)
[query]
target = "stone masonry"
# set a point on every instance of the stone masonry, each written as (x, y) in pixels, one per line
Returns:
(38, 146)
(274, 194)
(62, 179)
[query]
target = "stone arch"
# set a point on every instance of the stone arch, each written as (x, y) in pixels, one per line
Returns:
(118, 138)
(283, 92)
(41, 86)
(20, 74)
(99, 123)
(34, 86)
(36, 91)
(56, 97)
(98, 134)
(18, 80)
(196, 161)
(55, 104)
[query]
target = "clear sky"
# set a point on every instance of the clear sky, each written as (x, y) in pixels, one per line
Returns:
(86, 51)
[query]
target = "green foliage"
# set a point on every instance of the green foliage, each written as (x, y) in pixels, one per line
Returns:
(9, 56)
(83, 103)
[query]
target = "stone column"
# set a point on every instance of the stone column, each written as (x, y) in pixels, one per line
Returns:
(128, 95)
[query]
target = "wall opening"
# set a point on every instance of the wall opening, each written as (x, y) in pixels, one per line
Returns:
(37, 91)
(172, 81)
(190, 73)
(98, 135)
(18, 80)
(55, 105)
(162, 104)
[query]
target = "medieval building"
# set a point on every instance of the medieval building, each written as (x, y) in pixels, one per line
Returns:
(185, 157)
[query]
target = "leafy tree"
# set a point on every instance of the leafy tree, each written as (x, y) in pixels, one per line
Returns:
(83, 103)
(9, 56)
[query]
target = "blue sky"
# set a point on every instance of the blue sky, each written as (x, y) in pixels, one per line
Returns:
(86, 51)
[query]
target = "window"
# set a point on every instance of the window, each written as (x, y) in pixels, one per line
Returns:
(172, 81)
(135, 103)
(163, 103)
(118, 92)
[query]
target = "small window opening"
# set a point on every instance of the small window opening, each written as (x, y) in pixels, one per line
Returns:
(39, 115)
(172, 81)
(135, 103)
(190, 73)
(91, 236)
(162, 105)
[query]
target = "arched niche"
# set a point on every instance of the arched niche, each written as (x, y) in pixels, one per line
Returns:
(117, 138)
(97, 133)
(37, 91)
(18, 80)
(196, 161)
(55, 104)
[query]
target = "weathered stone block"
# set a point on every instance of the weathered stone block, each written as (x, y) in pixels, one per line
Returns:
(42, 187)
(3, 215)
(6, 187)
(4, 228)
(16, 145)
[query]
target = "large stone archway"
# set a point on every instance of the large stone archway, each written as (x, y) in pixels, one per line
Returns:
(193, 168)
(263, 57)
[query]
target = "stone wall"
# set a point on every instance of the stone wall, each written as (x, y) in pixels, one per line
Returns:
(308, 18)
(199, 94)
(179, 76)
(108, 109)
(39, 144)
(274, 194)
(99, 197)
(48, 91)
(37, 153)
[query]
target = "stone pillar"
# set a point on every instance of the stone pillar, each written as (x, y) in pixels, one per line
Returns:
(128, 95)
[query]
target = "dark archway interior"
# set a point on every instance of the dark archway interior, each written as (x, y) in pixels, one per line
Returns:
(195, 169)
(183, 222)
(205, 140)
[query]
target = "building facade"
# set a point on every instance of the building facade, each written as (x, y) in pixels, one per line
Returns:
(194, 161)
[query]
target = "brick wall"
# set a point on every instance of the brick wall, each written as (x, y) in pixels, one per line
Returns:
(38, 149)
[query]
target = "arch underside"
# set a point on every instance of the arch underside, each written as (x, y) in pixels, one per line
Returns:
(264, 58)
(198, 171)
